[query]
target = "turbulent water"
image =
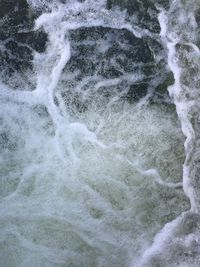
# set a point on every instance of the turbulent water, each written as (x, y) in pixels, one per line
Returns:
(100, 133)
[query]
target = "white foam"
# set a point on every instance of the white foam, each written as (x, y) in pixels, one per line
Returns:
(80, 197)
(183, 106)
(161, 241)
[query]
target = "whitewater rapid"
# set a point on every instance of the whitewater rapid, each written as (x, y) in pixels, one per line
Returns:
(99, 134)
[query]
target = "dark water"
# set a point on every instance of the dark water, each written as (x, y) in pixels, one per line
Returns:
(99, 133)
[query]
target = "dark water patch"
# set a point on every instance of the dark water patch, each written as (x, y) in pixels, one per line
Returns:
(197, 16)
(162, 3)
(145, 12)
(159, 87)
(137, 91)
(18, 40)
(107, 52)
(15, 14)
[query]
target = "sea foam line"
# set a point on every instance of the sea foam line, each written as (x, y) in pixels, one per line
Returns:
(165, 236)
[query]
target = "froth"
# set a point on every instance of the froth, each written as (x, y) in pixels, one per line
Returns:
(81, 186)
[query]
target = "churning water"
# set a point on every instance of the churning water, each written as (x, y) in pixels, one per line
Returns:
(99, 137)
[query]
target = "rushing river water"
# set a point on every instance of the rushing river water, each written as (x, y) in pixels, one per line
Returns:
(100, 133)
